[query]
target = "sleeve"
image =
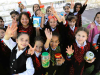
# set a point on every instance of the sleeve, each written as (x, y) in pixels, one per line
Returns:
(82, 9)
(10, 43)
(95, 38)
(30, 68)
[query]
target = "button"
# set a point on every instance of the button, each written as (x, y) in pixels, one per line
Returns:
(10, 66)
(14, 70)
(13, 59)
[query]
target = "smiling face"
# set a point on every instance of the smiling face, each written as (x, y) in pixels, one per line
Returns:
(98, 18)
(24, 20)
(54, 42)
(38, 13)
(36, 7)
(52, 23)
(2, 33)
(78, 8)
(48, 12)
(72, 22)
(81, 37)
(67, 9)
(23, 41)
(39, 46)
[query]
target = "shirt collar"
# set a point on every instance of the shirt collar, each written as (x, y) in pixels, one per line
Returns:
(37, 54)
(97, 23)
(53, 29)
(75, 13)
(80, 45)
(66, 13)
(53, 49)
(72, 28)
(20, 50)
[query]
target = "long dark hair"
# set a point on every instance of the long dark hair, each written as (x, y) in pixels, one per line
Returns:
(96, 15)
(76, 6)
(20, 16)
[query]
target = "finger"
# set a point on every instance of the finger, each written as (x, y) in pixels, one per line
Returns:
(68, 46)
(15, 29)
(34, 46)
(30, 46)
(71, 46)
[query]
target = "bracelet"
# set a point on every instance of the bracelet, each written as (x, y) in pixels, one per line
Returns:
(69, 55)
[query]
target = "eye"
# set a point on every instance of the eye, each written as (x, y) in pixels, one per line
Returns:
(26, 40)
(83, 36)
(78, 35)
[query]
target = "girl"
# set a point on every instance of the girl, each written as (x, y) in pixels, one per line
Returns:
(69, 31)
(20, 64)
(76, 54)
(36, 57)
(52, 46)
(4, 54)
(25, 25)
(96, 44)
(78, 10)
(1, 22)
(68, 8)
(94, 28)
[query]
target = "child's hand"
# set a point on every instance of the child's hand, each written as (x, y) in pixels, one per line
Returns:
(41, 14)
(48, 34)
(61, 61)
(69, 50)
(31, 50)
(91, 60)
(92, 25)
(72, 4)
(53, 10)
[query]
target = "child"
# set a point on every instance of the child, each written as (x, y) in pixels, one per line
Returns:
(96, 43)
(52, 46)
(4, 54)
(21, 8)
(69, 31)
(14, 14)
(67, 9)
(76, 54)
(25, 25)
(94, 28)
(36, 57)
(1, 22)
(78, 10)
(20, 64)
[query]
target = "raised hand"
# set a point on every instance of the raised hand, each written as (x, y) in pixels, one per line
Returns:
(72, 4)
(92, 25)
(69, 50)
(48, 34)
(31, 50)
(91, 60)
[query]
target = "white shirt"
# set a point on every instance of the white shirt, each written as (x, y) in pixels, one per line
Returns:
(29, 64)
(75, 13)
(48, 48)
(72, 28)
(53, 29)
(95, 38)
(37, 54)
(80, 45)
(97, 24)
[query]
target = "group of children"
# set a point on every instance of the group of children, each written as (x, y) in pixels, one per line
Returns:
(22, 44)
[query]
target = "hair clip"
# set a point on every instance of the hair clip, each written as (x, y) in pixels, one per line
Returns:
(19, 2)
(50, 17)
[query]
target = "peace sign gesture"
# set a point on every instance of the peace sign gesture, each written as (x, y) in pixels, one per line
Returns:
(69, 50)
(72, 4)
(31, 50)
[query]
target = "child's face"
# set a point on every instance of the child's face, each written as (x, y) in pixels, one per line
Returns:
(67, 9)
(23, 41)
(72, 22)
(36, 7)
(39, 46)
(98, 18)
(53, 23)
(49, 12)
(78, 8)
(81, 37)
(1, 23)
(24, 20)
(2, 33)
(54, 42)
(38, 13)
(15, 16)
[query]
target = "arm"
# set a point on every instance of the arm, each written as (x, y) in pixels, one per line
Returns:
(49, 36)
(85, 2)
(29, 66)
(95, 38)
(39, 2)
(72, 5)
